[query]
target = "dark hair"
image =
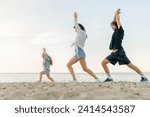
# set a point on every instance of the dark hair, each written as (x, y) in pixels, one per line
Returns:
(51, 60)
(81, 26)
(114, 23)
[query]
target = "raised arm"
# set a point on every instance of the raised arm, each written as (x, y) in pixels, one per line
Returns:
(117, 17)
(44, 50)
(76, 21)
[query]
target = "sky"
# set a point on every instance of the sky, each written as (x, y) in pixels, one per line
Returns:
(26, 26)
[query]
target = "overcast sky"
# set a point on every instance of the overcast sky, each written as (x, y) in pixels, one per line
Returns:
(26, 26)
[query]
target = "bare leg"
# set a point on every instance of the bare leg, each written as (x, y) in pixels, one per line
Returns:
(40, 77)
(69, 65)
(50, 78)
(135, 68)
(86, 69)
(104, 64)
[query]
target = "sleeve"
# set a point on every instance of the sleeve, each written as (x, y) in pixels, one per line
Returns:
(120, 30)
(77, 27)
(73, 44)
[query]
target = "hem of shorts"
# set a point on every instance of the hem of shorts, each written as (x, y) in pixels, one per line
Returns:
(125, 63)
(80, 57)
(48, 72)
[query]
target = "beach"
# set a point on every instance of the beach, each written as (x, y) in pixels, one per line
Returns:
(75, 91)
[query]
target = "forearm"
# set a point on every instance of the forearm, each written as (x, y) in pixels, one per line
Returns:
(75, 17)
(73, 44)
(117, 17)
(76, 23)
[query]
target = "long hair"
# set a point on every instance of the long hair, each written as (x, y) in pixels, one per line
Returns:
(81, 26)
(51, 60)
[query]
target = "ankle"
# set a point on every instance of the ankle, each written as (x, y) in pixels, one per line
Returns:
(142, 75)
(109, 76)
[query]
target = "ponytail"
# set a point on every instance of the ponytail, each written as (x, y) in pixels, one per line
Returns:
(51, 60)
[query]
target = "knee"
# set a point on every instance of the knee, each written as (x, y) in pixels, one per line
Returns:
(40, 73)
(69, 65)
(103, 63)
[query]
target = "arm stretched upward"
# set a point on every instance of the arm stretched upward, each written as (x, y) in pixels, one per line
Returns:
(76, 22)
(76, 26)
(117, 17)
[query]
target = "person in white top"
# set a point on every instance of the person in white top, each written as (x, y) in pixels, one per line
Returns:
(79, 52)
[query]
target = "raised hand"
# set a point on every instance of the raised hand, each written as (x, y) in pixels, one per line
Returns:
(117, 17)
(44, 50)
(118, 11)
(75, 15)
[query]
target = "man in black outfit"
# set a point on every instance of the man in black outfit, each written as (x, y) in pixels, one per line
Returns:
(118, 54)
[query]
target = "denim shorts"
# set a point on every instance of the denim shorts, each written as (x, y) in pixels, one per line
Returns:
(79, 53)
(119, 56)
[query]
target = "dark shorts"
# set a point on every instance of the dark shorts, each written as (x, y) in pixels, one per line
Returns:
(119, 56)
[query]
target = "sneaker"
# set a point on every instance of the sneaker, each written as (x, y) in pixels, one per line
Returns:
(144, 79)
(108, 80)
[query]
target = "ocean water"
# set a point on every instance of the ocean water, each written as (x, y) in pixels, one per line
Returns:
(65, 77)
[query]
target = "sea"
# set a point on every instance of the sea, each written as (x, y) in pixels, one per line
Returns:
(66, 77)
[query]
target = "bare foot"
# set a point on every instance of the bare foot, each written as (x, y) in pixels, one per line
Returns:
(39, 81)
(52, 79)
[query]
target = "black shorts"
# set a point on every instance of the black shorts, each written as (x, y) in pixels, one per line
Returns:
(119, 56)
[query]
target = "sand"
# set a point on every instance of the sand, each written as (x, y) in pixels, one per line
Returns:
(75, 91)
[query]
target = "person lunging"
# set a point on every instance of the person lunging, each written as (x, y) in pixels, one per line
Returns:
(79, 52)
(118, 53)
(47, 61)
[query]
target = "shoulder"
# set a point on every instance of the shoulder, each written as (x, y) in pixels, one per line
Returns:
(120, 29)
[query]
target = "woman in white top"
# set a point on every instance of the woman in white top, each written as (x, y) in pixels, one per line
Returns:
(79, 52)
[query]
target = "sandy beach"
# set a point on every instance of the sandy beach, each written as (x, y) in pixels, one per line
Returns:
(74, 91)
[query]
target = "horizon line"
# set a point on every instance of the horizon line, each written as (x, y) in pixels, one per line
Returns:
(62, 72)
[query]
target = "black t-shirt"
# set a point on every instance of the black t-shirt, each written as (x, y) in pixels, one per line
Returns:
(117, 37)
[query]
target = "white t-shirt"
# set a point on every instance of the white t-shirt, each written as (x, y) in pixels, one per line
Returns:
(81, 36)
